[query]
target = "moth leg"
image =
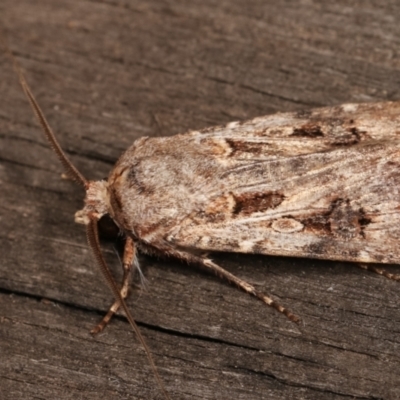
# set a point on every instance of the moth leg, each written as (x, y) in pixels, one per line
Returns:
(223, 274)
(247, 287)
(380, 271)
(127, 263)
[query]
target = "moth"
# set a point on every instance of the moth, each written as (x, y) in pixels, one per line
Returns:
(318, 184)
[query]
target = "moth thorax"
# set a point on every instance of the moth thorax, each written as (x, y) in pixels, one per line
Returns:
(96, 203)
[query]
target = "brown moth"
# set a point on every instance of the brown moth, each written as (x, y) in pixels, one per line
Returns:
(317, 184)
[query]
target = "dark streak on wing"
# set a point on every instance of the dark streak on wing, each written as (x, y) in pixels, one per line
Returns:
(308, 130)
(249, 203)
(243, 146)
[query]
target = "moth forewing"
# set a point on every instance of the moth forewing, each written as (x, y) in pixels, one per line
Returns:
(322, 184)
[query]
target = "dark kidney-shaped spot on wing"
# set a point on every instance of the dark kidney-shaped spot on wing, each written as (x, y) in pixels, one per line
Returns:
(348, 137)
(343, 219)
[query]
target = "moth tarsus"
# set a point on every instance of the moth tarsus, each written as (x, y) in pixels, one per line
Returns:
(318, 184)
(379, 271)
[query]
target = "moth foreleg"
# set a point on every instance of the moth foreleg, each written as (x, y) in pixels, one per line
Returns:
(127, 263)
(379, 271)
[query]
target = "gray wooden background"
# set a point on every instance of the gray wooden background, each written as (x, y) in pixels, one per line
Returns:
(107, 72)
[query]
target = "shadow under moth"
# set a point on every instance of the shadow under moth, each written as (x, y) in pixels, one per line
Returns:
(318, 184)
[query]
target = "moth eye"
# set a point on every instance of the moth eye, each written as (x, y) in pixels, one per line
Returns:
(108, 230)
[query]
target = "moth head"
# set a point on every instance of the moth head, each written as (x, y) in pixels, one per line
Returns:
(96, 203)
(96, 200)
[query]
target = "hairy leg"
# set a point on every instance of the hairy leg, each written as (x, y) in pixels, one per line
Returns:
(221, 273)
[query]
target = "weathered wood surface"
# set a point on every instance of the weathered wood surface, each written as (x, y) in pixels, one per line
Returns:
(107, 72)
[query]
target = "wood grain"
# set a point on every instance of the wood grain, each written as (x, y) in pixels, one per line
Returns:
(108, 72)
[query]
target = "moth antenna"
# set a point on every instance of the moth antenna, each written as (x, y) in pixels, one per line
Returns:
(93, 240)
(70, 169)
